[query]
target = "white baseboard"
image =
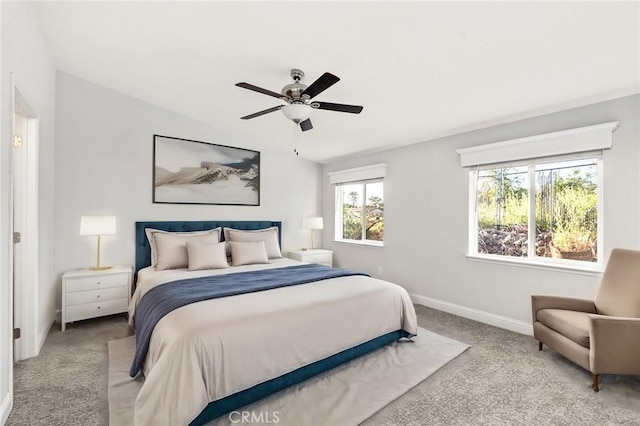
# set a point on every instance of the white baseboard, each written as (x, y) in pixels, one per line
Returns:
(5, 408)
(474, 314)
(42, 337)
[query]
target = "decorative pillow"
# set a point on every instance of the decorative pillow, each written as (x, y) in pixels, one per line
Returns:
(172, 249)
(206, 256)
(150, 232)
(268, 235)
(248, 253)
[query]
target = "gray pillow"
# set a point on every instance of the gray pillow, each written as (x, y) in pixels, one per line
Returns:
(172, 248)
(150, 232)
(268, 235)
(206, 256)
(248, 253)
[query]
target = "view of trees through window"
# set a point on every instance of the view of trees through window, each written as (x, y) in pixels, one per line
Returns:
(564, 211)
(362, 211)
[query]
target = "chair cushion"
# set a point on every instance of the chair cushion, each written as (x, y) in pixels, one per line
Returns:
(573, 325)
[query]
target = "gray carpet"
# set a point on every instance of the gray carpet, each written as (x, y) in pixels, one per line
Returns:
(67, 383)
(501, 379)
(345, 395)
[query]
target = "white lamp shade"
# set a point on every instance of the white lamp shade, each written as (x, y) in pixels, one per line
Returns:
(312, 223)
(296, 112)
(97, 225)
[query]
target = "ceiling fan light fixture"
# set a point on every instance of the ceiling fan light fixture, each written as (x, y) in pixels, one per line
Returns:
(298, 98)
(296, 112)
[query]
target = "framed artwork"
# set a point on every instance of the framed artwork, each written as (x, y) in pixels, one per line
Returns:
(194, 172)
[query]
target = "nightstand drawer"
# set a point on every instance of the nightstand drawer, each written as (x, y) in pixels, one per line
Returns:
(106, 294)
(317, 258)
(98, 282)
(91, 310)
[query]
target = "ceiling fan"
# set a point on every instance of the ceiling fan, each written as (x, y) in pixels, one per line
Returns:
(298, 97)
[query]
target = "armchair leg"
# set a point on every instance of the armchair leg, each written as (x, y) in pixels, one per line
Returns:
(595, 383)
(539, 346)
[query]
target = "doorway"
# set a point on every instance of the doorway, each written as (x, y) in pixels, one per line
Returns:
(24, 228)
(19, 141)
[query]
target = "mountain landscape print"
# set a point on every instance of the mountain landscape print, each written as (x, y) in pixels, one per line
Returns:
(193, 172)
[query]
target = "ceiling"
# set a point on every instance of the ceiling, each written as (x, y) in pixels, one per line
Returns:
(422, 70)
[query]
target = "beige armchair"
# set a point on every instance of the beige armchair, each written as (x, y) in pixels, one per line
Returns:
(602, 336)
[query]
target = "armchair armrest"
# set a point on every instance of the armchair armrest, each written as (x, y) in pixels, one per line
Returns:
(539, 302)
(615, 345)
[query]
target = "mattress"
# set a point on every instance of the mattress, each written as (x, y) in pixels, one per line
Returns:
(209, 350)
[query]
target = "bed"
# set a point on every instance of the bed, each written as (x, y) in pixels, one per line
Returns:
(208, 358)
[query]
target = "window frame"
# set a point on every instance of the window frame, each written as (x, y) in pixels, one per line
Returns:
(339, 220)
(531, 259)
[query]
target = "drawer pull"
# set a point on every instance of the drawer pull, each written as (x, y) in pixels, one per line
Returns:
(98, 282)
(98, 307)
(98, 296)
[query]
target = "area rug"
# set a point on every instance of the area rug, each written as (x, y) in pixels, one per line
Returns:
(346, 395)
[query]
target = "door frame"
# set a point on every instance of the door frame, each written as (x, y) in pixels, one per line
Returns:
(29, 297)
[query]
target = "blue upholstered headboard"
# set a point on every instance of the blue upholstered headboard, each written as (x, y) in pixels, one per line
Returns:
(143, 251)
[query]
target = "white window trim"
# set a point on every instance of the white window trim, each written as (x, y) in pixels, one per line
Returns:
(338, 212)
(366, 243)
(358, 174)
(531, 259)
(572, 141)
(569, 266)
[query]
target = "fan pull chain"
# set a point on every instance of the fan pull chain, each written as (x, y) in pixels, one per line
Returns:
(297, 137)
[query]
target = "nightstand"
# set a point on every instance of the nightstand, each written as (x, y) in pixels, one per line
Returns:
(319, 256)
(90, 294)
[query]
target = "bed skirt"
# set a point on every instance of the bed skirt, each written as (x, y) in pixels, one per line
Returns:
(230, 403)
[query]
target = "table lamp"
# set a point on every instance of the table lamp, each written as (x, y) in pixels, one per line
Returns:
(98, 226)
(312, 223)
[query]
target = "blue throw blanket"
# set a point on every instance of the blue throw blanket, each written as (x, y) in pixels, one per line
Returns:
(161, 300)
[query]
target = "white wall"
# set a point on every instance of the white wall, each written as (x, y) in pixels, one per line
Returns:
(104, 166)
(426, 199)
(25, 53)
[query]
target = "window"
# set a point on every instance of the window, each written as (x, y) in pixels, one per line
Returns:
(360, 211)
(540, 210)
(360, 204)
(538, 199)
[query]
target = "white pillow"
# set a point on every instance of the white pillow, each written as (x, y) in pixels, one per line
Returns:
(268, 235)
(248, 253)
(206, 256)
(150, 232)
(172, 249)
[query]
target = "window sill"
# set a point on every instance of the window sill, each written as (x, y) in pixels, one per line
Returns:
(376, 244)
(593, 270)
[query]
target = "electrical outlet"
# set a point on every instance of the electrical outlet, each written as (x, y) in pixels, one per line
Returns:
(380, 271)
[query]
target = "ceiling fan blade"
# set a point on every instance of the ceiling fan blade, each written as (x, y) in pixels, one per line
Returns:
(263, 112)
(259, 90)
(353, 109)
(306, 125)
(325, 81)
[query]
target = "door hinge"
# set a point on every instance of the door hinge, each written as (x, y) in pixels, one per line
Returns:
(17, 141)
(16, 237)
(16, 333)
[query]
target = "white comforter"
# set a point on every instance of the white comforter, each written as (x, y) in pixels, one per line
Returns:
(211, 349)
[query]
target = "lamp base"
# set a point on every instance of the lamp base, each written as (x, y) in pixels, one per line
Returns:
(100, 268)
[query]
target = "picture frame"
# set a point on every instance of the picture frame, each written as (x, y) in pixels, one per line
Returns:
(187, 171)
